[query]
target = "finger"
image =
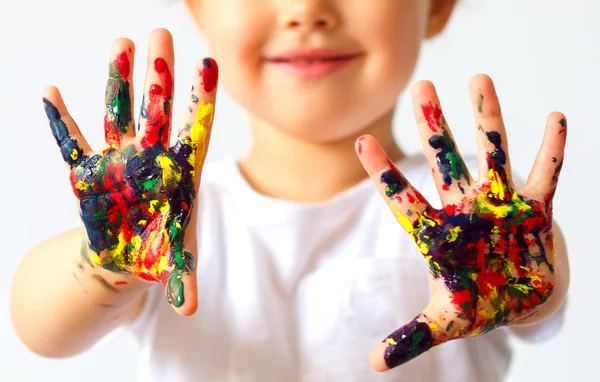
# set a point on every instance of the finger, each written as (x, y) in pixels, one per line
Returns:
(405, 201)
(193, 138)
(118, 98)
(181, 285)
(548, 163)
(408, 342)
(155, 115)
(492, 142)
(449, 171)
(73, 145)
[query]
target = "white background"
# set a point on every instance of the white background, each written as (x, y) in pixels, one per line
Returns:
(542, 54)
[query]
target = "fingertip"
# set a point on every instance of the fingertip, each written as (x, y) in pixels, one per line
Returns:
(190, 296)
(376, 358)
(421, 88)
(50, 92)
(480, 80)
(124, 44)
(162, 35)
(188, 309)
(208, 70)
(358, 144)
(557, 118)
(371, 154)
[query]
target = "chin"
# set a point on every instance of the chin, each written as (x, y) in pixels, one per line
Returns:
(311, 120)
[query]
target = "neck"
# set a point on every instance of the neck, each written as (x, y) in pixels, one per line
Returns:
(284, 167)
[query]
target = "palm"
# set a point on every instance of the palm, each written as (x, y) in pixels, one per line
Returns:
(135, 206)
(491, 255)
(136, 195)
(490, 249)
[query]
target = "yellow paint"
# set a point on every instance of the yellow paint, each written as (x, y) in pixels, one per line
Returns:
(119, 250)
(95, 257)
(404, 221)
(168, 173)
(153, 204)
(81, 185)
(74, 154)
(199, 131)
(496, 185)
(453, 234)
(391, 341)
(432, 263)
(165, 208)
(434, 328)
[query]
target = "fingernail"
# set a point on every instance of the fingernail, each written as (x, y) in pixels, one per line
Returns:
(209, 74)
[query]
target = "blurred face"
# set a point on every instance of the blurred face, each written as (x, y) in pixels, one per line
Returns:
(319, 70)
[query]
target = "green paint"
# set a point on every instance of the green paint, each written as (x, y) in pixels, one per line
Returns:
(175, 289)
(459, 168)
(480, 103)
(105, 283)
(194, 99)
(84, 254)
(563, 122)
(480, 128)
(450, 324)
(117, 99)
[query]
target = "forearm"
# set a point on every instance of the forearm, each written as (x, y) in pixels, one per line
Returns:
(559, 294)
(62, 303)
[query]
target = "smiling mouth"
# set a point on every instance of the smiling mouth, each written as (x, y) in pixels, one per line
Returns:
(311, 60)
(312, 66)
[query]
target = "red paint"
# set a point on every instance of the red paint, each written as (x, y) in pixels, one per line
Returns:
(420, 197)
(450, 209)
(120, 282)
(122, 63)
(160, 65)
(462, 297)
(158, 123)
(359, 144)
(410, 198)
(432, 115)
(155, 90)
(209, 74)
(185, 206)
(446, 187)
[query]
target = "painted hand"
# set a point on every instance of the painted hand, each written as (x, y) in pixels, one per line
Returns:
(136, 195)
(490, 249)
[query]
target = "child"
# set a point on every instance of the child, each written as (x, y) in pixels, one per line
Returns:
(288, 261)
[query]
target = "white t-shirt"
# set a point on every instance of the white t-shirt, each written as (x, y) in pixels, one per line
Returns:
(295, 292)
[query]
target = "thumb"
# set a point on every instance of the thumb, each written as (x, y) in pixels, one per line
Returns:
(408, 342)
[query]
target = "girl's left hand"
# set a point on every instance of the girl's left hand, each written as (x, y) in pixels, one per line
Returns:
(490, 248)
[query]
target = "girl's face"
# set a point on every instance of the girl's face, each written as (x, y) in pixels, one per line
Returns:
(319, 70)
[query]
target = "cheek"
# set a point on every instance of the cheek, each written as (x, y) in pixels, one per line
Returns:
(236, 34)
(394, 41)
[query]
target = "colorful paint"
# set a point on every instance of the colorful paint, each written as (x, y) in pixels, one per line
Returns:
(493, 251)
(136, 196)
(450, 163)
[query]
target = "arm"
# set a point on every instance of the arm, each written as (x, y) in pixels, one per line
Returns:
(61, 304)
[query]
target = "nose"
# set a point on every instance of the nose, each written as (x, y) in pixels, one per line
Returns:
(308, 14)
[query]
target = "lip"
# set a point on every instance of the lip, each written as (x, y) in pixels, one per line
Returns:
(312, 63)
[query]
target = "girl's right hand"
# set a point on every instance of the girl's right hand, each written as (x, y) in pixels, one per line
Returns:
(136, 195)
